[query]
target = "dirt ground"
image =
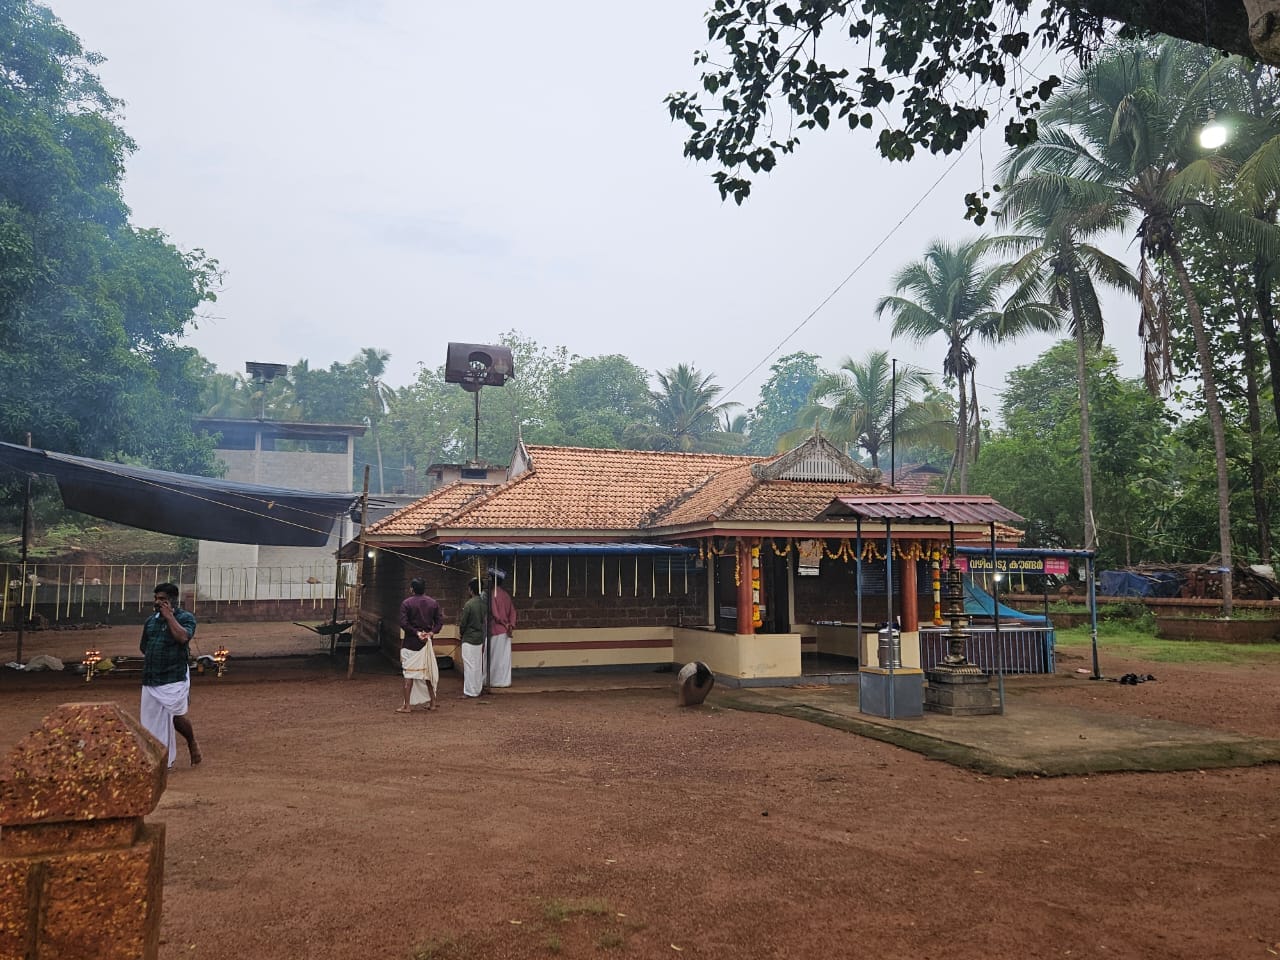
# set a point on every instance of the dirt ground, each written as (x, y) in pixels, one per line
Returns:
(604, 822)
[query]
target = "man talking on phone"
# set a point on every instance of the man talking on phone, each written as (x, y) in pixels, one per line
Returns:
(166, 680)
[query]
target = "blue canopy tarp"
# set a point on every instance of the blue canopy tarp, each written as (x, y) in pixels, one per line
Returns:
(979, 603)
(1131, 583)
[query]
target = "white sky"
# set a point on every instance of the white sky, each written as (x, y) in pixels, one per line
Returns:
(399, 174)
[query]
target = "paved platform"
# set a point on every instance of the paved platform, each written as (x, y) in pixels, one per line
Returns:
(1028, 739)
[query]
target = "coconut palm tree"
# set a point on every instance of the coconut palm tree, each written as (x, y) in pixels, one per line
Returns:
(854, 407)
(1124, 129)
(1057, 266)
(951, 292)
(684, 414)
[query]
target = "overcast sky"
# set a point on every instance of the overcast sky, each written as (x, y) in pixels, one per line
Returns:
(399, 174)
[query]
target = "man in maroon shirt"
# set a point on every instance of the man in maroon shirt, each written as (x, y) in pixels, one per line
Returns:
(502, 626)
(420, 620)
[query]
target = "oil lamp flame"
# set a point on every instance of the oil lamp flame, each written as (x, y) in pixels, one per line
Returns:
(90, 661)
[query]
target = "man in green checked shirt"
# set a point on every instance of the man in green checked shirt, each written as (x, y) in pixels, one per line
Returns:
(166, 680)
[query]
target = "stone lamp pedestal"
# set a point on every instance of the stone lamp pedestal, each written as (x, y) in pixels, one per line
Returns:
(957, 687)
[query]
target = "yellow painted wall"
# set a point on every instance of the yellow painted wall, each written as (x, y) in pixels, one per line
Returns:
(582, 654)
(840, 640)
(736, 655)
(910, 648)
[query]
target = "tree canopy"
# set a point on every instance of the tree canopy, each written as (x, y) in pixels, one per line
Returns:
(919, 75)
(92, 308)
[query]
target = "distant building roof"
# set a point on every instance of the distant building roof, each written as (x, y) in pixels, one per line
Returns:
(289, 429)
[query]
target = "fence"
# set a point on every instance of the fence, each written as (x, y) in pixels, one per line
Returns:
(80, 593)
(1019, 649)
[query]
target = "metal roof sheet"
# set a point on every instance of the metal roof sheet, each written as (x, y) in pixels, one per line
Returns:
(956, 508)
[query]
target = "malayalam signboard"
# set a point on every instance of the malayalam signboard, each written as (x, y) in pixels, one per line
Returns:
(1057, 566)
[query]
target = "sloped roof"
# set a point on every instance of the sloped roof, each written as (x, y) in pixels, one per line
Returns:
(583, 491)
(918, 478)
(581, 488)
(738, 494)
(952, 508)
(429, 511)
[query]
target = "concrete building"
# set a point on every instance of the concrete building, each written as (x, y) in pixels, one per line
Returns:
(300, 456)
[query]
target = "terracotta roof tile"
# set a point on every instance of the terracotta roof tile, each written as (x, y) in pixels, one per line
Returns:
(582, 488)
(918, 478)
(795, 500)
(427, 512)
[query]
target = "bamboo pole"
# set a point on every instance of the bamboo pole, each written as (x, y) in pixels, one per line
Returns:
(364, 525)
(337, 577)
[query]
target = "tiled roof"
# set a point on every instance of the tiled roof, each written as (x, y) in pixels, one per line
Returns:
(793, 500)
(430, 510)
(581, 488)
(737, 495)
(918, 478)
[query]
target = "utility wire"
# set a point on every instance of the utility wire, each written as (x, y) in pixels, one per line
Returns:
(876, 249)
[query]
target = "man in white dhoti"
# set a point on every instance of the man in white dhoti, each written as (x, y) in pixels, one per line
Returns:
(166, 680)
(471, 635)
(420, 621)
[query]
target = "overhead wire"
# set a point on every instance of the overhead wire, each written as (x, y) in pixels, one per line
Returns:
(876, 249)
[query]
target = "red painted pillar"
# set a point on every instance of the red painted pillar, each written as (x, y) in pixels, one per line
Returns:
(745, 624)
(909, 602)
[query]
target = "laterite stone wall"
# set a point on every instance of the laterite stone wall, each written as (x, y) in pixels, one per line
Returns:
(81, 873)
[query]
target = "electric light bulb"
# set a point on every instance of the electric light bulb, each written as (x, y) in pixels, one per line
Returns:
(1213, 134)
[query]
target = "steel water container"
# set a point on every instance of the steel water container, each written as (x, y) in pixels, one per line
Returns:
(889, 651)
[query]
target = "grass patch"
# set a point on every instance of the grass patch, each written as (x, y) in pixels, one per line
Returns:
(610, 940)
(557, 909)
(442, 949)
(553, 944)
(68, 541)
(1060, 607)
(1133, 640)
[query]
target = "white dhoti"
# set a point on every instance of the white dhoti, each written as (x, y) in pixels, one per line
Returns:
(420, 667)
(160, 704)
(472, 669)
(500, 660)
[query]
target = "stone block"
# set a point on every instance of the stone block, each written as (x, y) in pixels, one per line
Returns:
(103, 904)
(86, 761)
(81, 874)
(959, 693)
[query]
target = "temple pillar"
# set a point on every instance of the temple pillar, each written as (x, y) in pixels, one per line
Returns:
(908, 602)
(746, 576)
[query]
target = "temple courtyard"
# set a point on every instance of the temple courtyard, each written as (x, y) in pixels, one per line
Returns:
(590, 816)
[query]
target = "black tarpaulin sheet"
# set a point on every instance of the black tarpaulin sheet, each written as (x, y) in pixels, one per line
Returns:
(202, 508)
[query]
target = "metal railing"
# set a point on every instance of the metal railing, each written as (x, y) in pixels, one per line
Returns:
(75, 591)
(1018, 649)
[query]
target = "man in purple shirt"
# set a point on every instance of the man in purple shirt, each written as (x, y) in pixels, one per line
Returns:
(420, 620)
